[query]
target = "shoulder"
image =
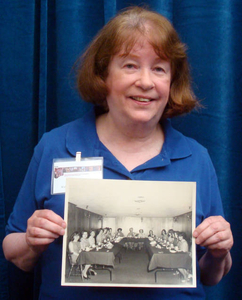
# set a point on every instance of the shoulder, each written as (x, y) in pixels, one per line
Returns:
(65, 140)
(179, 146)
(58, 135)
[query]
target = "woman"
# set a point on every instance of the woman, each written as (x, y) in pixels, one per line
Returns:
(141, 235)
(175, 242)
(100, 237)
(135, 71)
(110, 234)
(183, 246)
(91, 239)
(85, 246)
(119, 235)
(105, 234)
(131, 234)
(182, 243)
(74, 246)
(170, 236)
(151, 234)
(163, 236)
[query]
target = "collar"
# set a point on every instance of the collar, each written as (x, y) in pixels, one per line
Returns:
(176, 145)
(82, 136)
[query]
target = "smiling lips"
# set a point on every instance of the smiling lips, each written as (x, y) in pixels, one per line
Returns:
(141, 99)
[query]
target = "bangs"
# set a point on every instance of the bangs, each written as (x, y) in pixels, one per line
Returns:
(128, 37)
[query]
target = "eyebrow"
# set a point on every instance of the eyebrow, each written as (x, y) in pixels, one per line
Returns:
(133, 56)
(124, 55)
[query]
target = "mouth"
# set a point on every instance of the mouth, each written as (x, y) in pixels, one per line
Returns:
(141, 99)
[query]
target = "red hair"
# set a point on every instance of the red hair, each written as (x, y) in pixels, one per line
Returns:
(122, 32)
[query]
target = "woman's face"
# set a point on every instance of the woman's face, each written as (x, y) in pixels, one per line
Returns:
(76, 237)
(84, 235)
(139, 85)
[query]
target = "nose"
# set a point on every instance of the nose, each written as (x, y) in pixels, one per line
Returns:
(144, 80)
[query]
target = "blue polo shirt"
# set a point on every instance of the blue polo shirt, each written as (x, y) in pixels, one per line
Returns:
(181, 159)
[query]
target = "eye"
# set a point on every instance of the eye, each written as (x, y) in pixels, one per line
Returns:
(129, 66)
(159, 69)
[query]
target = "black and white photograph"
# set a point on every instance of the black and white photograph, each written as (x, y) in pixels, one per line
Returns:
(129, 233)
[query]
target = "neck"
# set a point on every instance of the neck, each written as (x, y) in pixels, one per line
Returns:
(131, 144)
(129, 134)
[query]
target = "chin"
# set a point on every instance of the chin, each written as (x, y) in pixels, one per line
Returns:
(141, 119)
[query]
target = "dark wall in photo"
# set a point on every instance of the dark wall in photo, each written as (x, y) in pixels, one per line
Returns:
(80, 219)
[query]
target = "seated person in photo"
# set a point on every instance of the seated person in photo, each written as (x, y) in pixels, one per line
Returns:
(151, 235)
(91, 239)
(131, 234)
(108, 244)
(105, 234)
(163, 236)
(175, 242)
(74, 246)
(110, 235)
(85, 246)
(141, 235)
(183, 246)
(119, 235)
(170, 237)
(182, 243)
(99, 238)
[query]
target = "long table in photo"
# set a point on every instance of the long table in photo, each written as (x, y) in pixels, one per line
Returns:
(163, 259)
(103, 258)
(132, 240)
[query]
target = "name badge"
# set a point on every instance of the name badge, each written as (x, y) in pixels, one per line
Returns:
(79, 167)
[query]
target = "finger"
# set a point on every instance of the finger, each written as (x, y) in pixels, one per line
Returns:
(51, 216)
(41, 227)
(207, 223)
(48, 220)
(210, 237)
(37, 232)
(35, 242)
(220, 249)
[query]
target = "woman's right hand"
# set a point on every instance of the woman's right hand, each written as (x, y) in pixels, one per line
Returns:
(44, 226)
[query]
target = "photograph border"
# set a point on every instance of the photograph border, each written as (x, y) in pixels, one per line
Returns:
(104, 189)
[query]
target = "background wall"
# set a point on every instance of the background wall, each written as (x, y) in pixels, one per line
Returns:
(40, 41)
(180, 223)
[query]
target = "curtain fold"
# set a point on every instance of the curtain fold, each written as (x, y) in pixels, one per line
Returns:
(212, 31)
(40, 42)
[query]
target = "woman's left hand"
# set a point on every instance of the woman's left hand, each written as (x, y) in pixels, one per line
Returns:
(215, 234)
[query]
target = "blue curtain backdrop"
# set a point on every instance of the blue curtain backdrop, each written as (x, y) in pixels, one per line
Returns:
(40, 41)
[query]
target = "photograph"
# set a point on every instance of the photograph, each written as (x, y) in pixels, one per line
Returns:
(129, 233)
